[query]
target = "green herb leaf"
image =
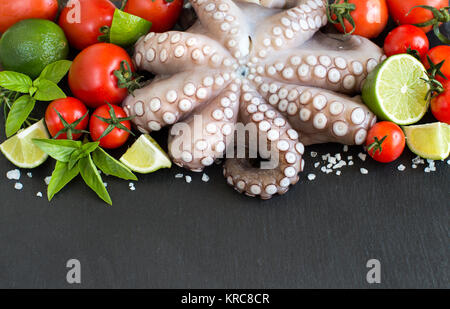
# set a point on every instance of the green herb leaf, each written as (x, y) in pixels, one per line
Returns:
(61, 176)
(56, 71)
(47, 90)
(111, 166)
(15, 81)
(20, 110)
(58, 149)
(84, 151)
(92, 178)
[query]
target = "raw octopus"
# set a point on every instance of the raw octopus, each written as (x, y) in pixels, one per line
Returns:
(264, 65)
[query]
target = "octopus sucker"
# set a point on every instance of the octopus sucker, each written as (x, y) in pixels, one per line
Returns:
(262, 67)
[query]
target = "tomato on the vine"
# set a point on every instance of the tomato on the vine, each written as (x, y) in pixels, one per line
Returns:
(13, 11)
(66, 118)
(162, 13)
(403, 13)
(110, 126)
(82, 21)
(385, 142)
(102, 73)
(437, 55)
(406, 39)
(440, 105)
(369, 17)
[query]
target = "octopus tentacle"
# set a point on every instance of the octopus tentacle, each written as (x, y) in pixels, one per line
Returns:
(320, 115)
(225, 22)
(200, 139)
(166, 101)
(290, 28)
(273, 4)
(172, 52)
(319, 65)
(284, 147)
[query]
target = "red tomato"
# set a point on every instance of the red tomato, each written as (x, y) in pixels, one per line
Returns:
(91, 76)
(399, 10)
(117, 137)
(370, 16)
(71, 110)
(440, 105)
(12, 11)
(405, 37)
(385, 142)
(82, 21)
(162, 13)
(437, 55)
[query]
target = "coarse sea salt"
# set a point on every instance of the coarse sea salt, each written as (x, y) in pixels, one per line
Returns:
(39, 194)
(313, 154)
(338, 173)
(188, 179)
(205, 178)
(362, 156)
(401, 167)
(345, 148)
(316, 165)
(18, 186)
(364, 171)
(179, 176)
(47, 180)
(13, 174)
(30, 175)
(311, 177)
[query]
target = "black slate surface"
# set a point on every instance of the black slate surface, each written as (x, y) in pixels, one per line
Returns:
(170, 234)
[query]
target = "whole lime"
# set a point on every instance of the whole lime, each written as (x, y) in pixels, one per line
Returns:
(30, 45)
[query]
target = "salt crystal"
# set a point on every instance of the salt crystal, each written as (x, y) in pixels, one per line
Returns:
(338, 173)
(427, 170)
(401, 167)
(13, 174)
(313, 154)
(350, 163)
(329, 165)
(338, 157)
(345, 149)
(188, 179)
(433, 169)
(105, 184)
(364, 171)
(47, 180)
(316, 165)
(179, 176)
(362, 156)
(414, 166)
(30, 175)
(448, 162)
(18, 186)
(332, 160)
(205, 178)
(131, 184)
(133, 188)
(311, 177)
(39, 194)
(350, 158)
(329, 171)
(323, 169)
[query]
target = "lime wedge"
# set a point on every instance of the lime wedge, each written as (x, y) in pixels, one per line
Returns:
(145, 156)
(394, 91)
(430, 141)
(21, 150)
(126, 28)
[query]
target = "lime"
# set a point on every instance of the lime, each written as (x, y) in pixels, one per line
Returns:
(430, 141)
(21, 150)
(31, 44)
(145, 156)
(126, 28)
(394, 91)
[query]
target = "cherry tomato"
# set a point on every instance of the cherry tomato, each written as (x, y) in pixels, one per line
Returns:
(71, 110)
(91, 76)
(437, 55)
(385, 142)
(399, 10)
(404, 38)
(370, 17)
(82, 21)
(117, 137)
(162, 13)
(440, 105)
(12, 11)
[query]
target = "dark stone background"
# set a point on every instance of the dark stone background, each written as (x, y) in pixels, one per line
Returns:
(170, 234)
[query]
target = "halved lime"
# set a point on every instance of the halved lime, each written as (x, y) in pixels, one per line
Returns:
(394, 91)
(145, 156)
(430, 141)
(20, 149)
(126, 28)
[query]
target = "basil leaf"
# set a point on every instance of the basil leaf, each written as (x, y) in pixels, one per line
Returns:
(15, 81)
(89, 147)
(92, 178)
(47, 90)
(85, 150)
(58, 149)
(111, 166)
(20, 110)
(61, 176)
(55, 71)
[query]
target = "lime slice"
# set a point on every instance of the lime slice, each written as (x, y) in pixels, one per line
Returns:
(126, 28)
(394, 91)
(430, 141)
(145, 156)
(20, 149)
